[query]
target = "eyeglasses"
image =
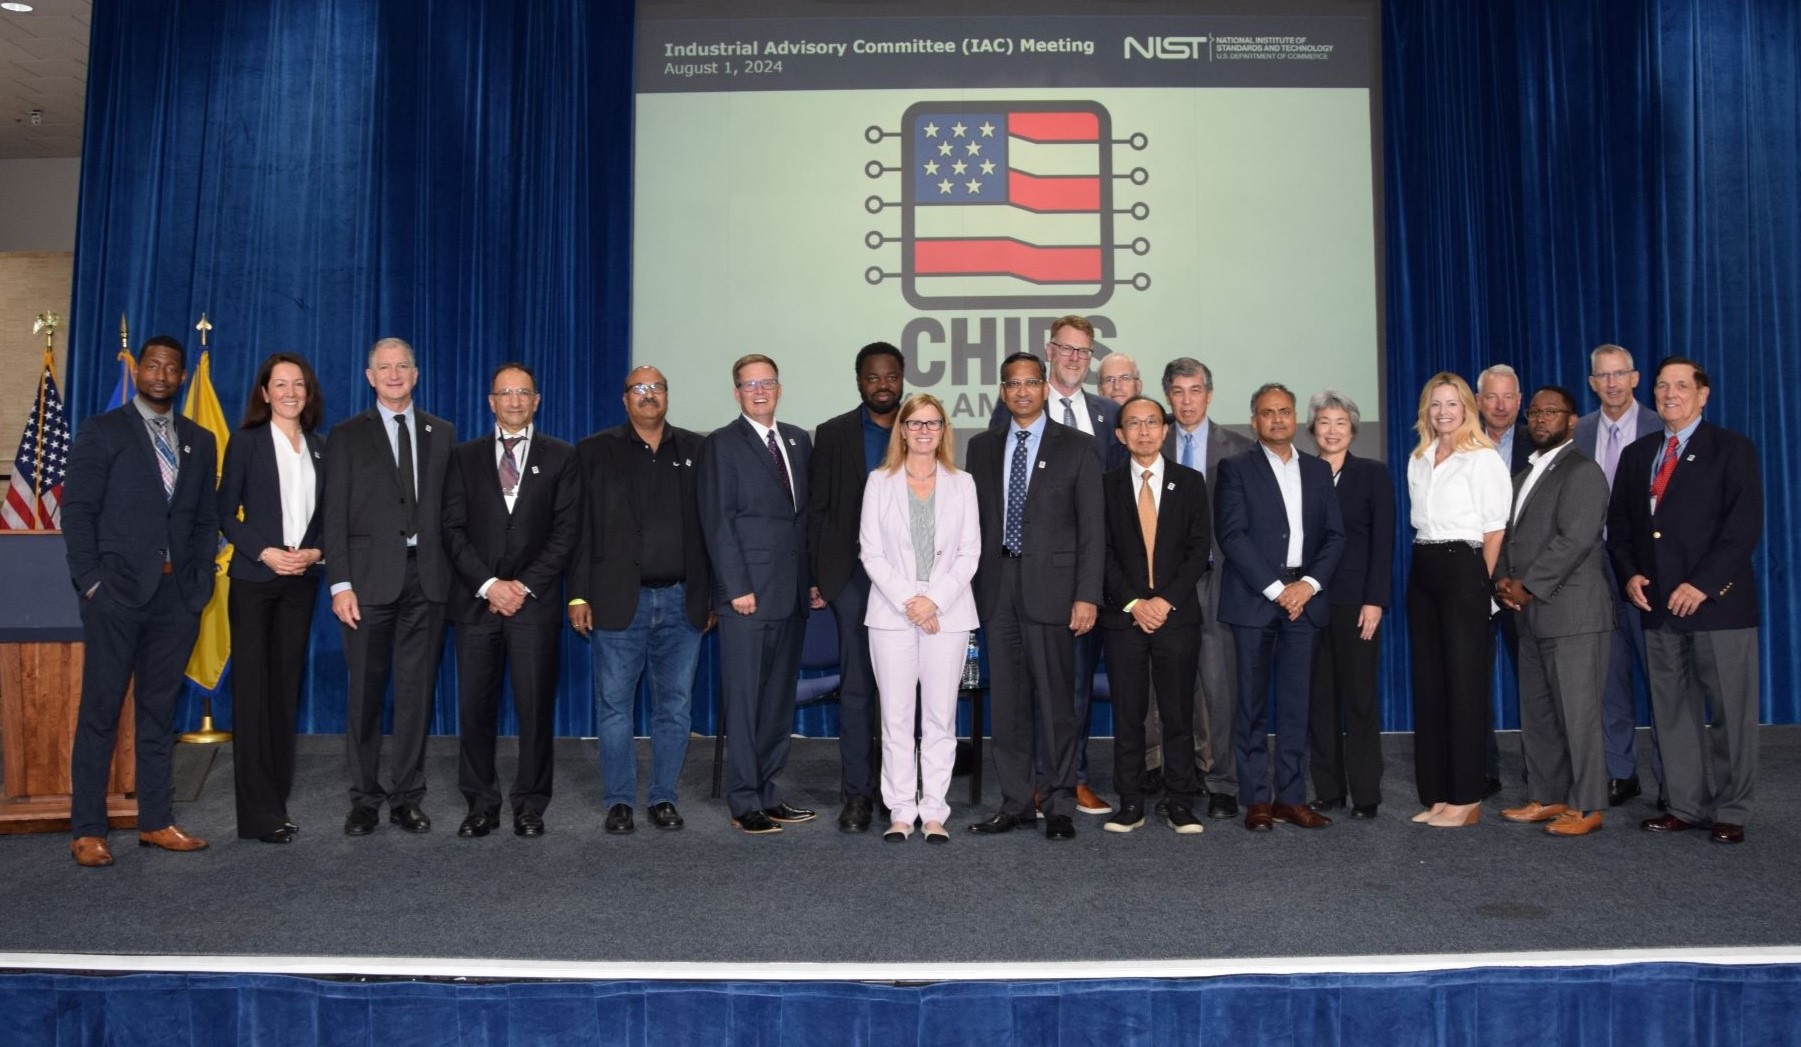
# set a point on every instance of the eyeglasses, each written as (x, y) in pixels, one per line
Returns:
(923, 425)
(1012, 384)
(1077, 350)
(758, 385)
(1614, 376)
(1546, 412)
(647, 388)
(1147, 422)
(506, 393)
(1118, 379)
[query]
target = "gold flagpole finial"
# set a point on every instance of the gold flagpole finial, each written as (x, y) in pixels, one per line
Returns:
(203, 326)
(46, 325)
(124, 335)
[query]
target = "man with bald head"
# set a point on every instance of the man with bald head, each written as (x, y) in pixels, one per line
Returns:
(638, 588)
(1120, 380)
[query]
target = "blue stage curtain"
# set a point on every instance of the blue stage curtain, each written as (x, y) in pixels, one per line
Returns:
(1562, 174)
(1688, 1004)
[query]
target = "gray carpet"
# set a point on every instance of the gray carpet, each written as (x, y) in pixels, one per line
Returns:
(812, 894)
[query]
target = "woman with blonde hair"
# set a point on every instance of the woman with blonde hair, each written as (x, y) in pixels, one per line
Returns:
(920, 541)
(1461, 496)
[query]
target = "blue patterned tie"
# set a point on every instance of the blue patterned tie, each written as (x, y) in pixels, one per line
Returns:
(165, 456)
(1016, 495)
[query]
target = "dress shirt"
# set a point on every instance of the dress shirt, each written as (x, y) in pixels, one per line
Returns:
(1078, 406)
(1504, 446)
(294, 473)
(1037, 431)
(1623, 432)
(1156, 468)
(781, 444)
(1461, 499)
(1198, 435)
(1288, 480)
(1540, 461)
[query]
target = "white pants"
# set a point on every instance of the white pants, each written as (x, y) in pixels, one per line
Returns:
(907, 660)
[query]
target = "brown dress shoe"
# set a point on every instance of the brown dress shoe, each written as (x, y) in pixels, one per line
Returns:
(171, 838)
(1297, 815)
(1257, 818)
(1665, 823)
(1726, 832)
(1574, 823)
(1089, 803)
(1535, 812)
(90, 851)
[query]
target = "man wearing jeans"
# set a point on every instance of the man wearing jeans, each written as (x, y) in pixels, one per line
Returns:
(638, 586)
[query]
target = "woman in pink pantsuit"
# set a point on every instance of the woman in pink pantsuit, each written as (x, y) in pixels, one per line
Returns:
(920, 543)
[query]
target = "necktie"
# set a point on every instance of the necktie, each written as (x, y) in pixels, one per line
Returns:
(781, 467)
(165, 456)
(1664, 469)
(1188, 450)
(1069, 414)
(403, 444)
(1014, 526)
(1147, 523)
(1610, 454)
(509, 466)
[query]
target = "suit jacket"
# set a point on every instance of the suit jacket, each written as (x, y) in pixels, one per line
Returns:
(365, 524)
(117, 525)
(1184, 536)
(1252, 523)
(251, 482)
(1065, 534)
(1588, 429)
(835, 500)
(604, 569)
(1366, 503)
(1704, 531)
(531, 544)
(756, 537)
(1553, 546)
(886, 533)
(1102, 412)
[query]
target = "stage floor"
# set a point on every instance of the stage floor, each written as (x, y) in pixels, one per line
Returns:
(812, 902)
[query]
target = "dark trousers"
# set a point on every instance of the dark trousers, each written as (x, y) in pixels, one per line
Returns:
(758, 660)
(148, 647)
(1447, 628)
(1345, 729)
(1086, 659)
(1507, 635)
(1619, 701)
(857, 709)
(486, 648)
(1030, 671)
(405, 637)
(271, 624)
(1139, 663)
(1278, 654)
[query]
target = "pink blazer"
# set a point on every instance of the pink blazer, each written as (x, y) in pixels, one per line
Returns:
(887, 554)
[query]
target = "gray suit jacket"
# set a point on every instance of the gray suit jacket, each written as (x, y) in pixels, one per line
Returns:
(1588, 430)
(1222, 443)
(1553, 546)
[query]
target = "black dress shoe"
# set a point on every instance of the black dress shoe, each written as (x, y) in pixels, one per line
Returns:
(409, 817)
(1364, 812)
(619, 818)
(293, 830)
(1491, 787)
(361, 821)
(757, 823)
(1059, 827)
(1727, 832)
(1219, 805)
(854, 818)
(664, 815)
(1322, 806)
(1619, 790)
(281, 835)
(530, 824)
(478, 825)
(1002, 822)
(788, 814)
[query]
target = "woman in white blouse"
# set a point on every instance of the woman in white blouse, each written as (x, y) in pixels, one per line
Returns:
(274, 469)
(1460, 492)
(920, 542)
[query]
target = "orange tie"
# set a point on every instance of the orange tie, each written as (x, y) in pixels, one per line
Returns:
(1147, 523)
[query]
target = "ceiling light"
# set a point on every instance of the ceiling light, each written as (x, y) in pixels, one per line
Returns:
(13, 5)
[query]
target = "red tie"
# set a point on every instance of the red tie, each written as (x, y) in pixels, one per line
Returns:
(1664, 469)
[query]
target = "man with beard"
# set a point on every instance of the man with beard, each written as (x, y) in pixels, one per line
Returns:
(846, 450)
(1549, 576)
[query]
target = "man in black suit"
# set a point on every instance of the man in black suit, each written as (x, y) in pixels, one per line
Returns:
(1281, 533)
(847, 449)
(638, 586)
(1685, 517)
(141, 530)
(385, 558)
(753, 499)
(1498, 401)
(1037, 586)
(512, 513)
(1159, 528)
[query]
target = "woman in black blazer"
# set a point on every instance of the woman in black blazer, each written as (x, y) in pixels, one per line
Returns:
(274, 472)
(1346, 721)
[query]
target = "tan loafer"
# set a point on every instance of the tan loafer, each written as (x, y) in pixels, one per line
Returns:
(1575, 823)
(171, 838)
(90, 851)
(1535, 812)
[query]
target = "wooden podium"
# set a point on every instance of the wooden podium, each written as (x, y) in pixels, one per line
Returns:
(40, 693)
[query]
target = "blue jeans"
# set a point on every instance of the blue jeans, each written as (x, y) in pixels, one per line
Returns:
(662, 640)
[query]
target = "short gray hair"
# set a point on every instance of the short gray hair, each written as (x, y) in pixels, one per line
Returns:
(385, 343)
(1594, 357)
(1186, 367)
(1270, 387)
(1499, 371)
(1330, 398)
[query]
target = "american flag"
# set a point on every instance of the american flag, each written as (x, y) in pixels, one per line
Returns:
(34, 499)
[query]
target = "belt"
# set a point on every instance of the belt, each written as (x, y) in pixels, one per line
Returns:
(1291, 574)
(1008, 554)
(661, 585)
(1447, 541)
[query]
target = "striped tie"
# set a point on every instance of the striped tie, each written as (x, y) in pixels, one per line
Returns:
(165, 456)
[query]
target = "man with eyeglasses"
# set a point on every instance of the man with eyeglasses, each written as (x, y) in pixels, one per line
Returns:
(753, 511)
(846, 450)
(512, 515)
(1602, 434)
(639, 589)
(1038, 587)
(1119, 378)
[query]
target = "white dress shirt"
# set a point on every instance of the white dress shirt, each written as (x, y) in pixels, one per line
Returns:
(294, 475)
(1540, 462)
(1460, 499)
(1288, 480)
(1078, 406)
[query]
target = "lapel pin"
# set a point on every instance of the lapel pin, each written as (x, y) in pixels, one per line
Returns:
(428, 428)
(1041, 464)
(534, 470)
(689, 462)
(1169, 486)
(1690, 458)
(185, 449)
(315, 454)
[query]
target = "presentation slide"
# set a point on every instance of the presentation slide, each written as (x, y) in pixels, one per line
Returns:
(1194, 184)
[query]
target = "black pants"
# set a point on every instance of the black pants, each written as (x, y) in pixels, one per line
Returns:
(858, 737)
(1138, 663)
(408, 637)
(1447, 627)
(1031, 677)
(1345, 726)
(486, 649)
(758, 660)
(271, 624)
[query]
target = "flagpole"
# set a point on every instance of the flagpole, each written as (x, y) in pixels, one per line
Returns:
(207, 734)
(45, 325)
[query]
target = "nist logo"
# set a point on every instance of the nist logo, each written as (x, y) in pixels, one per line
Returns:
(1178, 48)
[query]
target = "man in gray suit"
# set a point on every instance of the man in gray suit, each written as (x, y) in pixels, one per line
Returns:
(1197, 443)
(1549, 576)
(1602, 434)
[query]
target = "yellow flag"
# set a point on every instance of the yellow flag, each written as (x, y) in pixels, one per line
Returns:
(213, 649)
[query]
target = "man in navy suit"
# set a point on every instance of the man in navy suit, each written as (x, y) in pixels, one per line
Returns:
(1281, 533)
(1498, 401)
(1602, 435)
(753, 500)
(512, 513)
(1684, 520)
(141, 528)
